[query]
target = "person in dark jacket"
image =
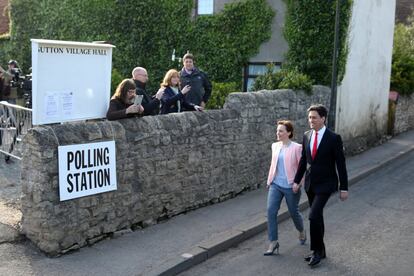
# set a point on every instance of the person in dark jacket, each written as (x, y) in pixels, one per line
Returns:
(150, 104)
(200, 85)
(322, 163)
(173, 99)
(6, 76)
(121, 104)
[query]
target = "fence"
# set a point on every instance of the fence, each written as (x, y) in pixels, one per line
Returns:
(15, 121)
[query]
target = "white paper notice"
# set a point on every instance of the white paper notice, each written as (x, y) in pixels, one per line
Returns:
(51, 105)
(67, 104)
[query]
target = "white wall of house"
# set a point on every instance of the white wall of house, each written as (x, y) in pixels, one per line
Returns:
(362, 102)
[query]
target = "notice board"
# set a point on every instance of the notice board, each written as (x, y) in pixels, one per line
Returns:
(71, 81)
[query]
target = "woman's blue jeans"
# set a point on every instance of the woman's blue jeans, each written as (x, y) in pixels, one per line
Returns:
(274, 199)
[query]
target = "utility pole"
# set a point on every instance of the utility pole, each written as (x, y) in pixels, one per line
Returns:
(332, 106)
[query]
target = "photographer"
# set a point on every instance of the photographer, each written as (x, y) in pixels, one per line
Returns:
(8, 76)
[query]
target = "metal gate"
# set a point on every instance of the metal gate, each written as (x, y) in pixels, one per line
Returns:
(15, 121)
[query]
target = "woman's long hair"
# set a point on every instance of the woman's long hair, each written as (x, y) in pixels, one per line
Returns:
(122, 90)
(168, 76)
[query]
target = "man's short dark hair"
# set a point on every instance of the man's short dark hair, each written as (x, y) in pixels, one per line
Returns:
(188, 55)
(12, 62)
(321, 109)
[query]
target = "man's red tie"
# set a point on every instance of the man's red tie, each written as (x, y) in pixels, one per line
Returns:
(315, 145)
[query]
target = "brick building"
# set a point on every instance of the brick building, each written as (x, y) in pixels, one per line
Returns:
(4, 17)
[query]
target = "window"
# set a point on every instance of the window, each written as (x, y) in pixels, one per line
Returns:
(253, 70)
(205, 7)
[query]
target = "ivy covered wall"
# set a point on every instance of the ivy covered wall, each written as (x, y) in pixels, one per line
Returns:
(309, 31)
(146, 32)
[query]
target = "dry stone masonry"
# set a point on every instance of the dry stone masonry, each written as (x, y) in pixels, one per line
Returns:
(166, 165)
(404, 114)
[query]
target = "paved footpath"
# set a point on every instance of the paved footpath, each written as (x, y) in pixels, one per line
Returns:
(185, 240)
(372, 233)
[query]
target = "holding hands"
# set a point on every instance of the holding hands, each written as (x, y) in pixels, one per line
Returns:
(295, 187)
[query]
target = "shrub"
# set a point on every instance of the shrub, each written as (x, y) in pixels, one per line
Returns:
(220, 93)
(270, 80)
(116, 78)
(284, 79)
(295, 80)
(402, 72)
(4, 43)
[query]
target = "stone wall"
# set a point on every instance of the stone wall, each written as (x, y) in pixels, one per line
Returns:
(404, 114)
(166, 165)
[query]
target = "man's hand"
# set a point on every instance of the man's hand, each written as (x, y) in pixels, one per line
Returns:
(343, 195)
(203, 104)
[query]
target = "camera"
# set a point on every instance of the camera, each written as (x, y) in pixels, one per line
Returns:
(27, 91)
(24, 86)
(16, 79)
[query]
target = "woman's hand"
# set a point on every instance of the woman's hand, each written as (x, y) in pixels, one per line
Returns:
(160, 93)
(132, 109)
(295, 187)
(186, 89)
(198, 108)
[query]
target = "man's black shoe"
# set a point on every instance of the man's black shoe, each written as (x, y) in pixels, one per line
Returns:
(316, 259)
(309, 257)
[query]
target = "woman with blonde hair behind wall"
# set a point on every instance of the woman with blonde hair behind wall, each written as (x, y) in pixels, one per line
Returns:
(285, 160)
(173, 99)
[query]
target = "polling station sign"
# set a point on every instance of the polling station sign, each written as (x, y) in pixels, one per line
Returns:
(86, 169)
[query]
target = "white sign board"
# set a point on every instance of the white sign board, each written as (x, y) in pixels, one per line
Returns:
(86, 169)
(71, 81)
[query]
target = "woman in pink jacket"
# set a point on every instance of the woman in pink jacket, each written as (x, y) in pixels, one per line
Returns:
(285, 159)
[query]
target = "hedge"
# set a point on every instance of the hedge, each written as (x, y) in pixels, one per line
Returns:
(309, 31)
(402, 72)
(146, 32)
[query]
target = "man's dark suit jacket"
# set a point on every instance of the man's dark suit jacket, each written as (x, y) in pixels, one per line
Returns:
(321, 174)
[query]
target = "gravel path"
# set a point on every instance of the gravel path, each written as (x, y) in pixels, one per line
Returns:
(10, 192)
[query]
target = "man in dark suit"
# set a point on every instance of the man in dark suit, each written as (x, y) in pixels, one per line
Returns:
(322, 158)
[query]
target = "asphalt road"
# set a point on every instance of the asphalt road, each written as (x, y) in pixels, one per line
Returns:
(372, 233)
